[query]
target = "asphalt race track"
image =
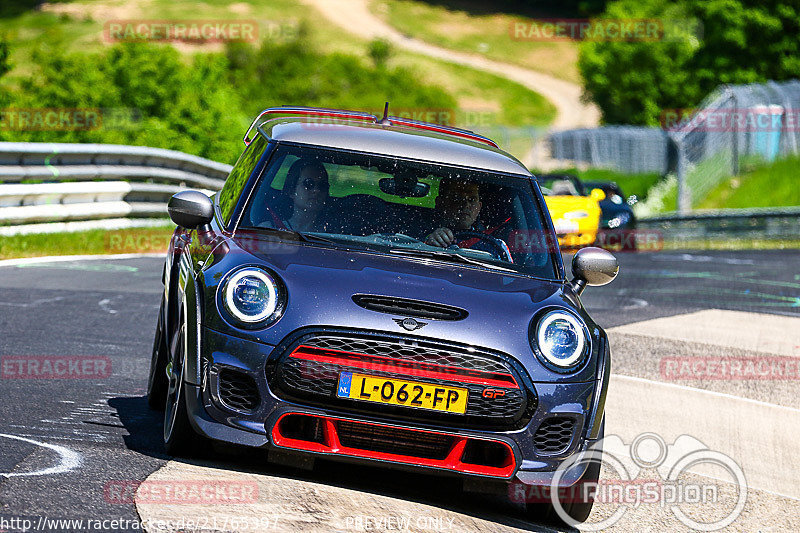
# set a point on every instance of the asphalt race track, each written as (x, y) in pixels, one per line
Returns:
(67, 446)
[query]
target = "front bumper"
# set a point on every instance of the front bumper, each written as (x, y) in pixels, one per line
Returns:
(499, 454)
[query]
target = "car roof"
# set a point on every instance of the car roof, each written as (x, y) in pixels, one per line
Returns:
(393, 140)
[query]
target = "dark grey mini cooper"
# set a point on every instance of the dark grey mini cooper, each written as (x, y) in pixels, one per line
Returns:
(382, 291)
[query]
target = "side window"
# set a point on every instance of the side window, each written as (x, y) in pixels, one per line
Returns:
(229, 195)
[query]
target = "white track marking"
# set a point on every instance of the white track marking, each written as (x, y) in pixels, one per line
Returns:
(60, 258)
(708, 392)
(637, 304)
(758, 332)
(105, 305)
(70, 460)
(703, 259)
(34, 303)
(761, 437)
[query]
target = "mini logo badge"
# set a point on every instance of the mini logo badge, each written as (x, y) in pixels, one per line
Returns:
(409, 323)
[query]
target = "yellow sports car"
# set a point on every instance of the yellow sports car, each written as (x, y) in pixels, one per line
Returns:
(575, 214)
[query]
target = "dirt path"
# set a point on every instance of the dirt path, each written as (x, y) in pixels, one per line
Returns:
(355, 17)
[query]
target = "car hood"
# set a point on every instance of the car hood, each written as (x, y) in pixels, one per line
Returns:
(559, 205)
(610, 209)
(322, 281)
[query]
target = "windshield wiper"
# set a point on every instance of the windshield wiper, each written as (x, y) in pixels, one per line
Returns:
(295, 235)
(446, 256)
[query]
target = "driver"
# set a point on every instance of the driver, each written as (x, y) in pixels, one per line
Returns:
(456, 209)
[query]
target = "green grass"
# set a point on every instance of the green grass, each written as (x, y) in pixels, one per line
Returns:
(474, 30)
(92, 242)
(775, 185)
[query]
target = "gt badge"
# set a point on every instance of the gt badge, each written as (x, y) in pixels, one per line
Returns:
(409, 324)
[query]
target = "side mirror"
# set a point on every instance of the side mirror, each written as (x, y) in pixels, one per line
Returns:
(597, 195)
(593, 266)
(190, 209)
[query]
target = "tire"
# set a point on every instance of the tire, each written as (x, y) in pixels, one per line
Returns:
(180, 439)
(578, 511)
(157, 380)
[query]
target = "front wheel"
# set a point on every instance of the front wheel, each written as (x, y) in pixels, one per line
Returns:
(180, 439)
(579, 498)
(157, 381)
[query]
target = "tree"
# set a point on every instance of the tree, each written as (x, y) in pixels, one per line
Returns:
(5, 66)
(705, 43)
(145, 94)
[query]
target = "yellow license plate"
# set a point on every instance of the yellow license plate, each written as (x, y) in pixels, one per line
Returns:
(401, 392)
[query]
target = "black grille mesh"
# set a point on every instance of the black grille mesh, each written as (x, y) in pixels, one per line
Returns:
(238, 390)
(394, 440)
(554, 435)
(411, 352)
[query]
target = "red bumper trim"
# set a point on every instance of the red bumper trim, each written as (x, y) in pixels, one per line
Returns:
(454, 461)
(404, 367)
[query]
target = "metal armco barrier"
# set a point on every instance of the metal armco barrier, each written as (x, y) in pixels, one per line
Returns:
(61, 186)
(732, 224)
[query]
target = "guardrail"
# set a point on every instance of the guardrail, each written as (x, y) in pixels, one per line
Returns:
(755, 224)
(48, 187)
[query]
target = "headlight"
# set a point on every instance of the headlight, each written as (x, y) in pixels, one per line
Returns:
(575, 214)
(562, 339)
(252, 296)
(619, 220)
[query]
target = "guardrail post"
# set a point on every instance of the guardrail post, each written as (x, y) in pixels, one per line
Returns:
(684, 194)
(735, 139)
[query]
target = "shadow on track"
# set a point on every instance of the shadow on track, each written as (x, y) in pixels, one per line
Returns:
(145, 426)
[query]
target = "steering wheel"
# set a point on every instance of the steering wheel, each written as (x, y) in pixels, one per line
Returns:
(499, 246)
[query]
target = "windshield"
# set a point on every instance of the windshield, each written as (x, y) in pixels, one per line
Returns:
(400, 207)
(560, 186)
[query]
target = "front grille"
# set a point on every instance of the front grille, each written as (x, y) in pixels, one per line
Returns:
(393, 440)
(407, 307)
(238, 390)
(554, 435)
(297, 376)
(411, 350)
